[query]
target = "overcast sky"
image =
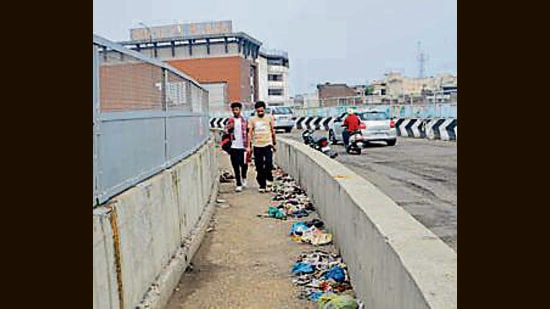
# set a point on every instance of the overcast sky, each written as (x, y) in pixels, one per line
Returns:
(347, 41)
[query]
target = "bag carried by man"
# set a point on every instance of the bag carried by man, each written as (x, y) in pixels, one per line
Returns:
(226, 142)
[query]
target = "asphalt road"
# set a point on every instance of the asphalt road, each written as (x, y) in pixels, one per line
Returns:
(418, 174)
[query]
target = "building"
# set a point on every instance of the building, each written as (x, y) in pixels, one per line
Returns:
(306, 100)
(273, 66)
(335, 94)
(209, 52)
(399, 87)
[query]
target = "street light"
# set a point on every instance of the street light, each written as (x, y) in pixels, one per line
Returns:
(150, 36)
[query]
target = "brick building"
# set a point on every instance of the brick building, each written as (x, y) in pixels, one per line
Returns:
(329, 94)
(208, 52)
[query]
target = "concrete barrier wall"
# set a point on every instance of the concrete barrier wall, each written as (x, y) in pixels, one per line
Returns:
(144, 237)
(394, 261)
(430, 128)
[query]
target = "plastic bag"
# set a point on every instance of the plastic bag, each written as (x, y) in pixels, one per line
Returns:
(336, 273)
(302, 268)
(333, 301)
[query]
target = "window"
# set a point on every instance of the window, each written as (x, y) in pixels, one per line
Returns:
(275, 91)
(281, 110)
(275, 77)
(275, 61)
(374, 116)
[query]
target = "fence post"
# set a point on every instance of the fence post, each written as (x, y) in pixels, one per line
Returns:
(164, 84)
(95, 104)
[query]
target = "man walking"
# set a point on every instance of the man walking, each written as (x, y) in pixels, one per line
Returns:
(237, 128)
(262, 134)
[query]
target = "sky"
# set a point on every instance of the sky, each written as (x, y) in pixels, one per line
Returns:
(336, 41)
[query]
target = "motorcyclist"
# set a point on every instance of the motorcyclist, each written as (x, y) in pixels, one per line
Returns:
(351, 124)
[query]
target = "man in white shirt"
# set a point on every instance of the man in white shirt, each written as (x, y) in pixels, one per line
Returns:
(237, 128)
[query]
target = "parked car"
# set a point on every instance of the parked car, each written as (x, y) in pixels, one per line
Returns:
(375, 126)
(283, 115)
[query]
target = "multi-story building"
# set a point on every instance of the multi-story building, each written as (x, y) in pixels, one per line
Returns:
(398, 86)
(209, 52)
(273, 66)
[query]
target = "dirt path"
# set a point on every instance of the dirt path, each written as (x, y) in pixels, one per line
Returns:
(245, 261)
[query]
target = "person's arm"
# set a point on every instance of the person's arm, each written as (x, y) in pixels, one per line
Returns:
(249, 136)
(273, 135)
(230, 125)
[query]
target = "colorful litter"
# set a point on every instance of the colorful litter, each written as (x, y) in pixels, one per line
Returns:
(323, 278)
(288, 197)
(310, 232)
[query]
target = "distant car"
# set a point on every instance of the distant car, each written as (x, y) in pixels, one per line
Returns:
(283, 115)
(375, 126)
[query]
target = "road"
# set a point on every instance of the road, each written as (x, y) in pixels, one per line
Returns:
(418, 174)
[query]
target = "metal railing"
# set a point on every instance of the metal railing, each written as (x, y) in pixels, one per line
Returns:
(415, 109)
(421, 110)
(147, 116)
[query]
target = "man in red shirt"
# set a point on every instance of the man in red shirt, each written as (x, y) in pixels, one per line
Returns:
(351, 124)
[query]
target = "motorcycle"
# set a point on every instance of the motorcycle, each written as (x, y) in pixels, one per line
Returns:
(319, 143)
(356, 142)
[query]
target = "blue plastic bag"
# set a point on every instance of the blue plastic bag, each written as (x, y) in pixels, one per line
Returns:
(302, 268)
(298, 228)
(336, 273)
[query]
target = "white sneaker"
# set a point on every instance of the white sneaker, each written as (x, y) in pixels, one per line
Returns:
(261, 190)
(245, 184)
(238, 189)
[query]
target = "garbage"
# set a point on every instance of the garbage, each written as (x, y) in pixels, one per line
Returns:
(301, 232)
(315, 222)
(321, 276)
(336, 273)
(302, 268)
(226, 176)
(327, 280)
(289, 197)
(298, 228)
(333, 301)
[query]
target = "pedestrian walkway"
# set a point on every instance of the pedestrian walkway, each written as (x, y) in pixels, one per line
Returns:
(245, 261)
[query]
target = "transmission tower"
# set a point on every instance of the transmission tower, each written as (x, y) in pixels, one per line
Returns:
(422, 59)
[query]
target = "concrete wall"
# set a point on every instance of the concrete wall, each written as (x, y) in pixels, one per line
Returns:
(144, 237)
(394, 261)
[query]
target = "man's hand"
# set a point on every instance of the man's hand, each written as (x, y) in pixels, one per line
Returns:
(274, 147)
(248, 150)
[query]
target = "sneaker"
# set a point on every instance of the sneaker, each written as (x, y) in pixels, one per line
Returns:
(245, 184)
(238, 189)
(261, 190)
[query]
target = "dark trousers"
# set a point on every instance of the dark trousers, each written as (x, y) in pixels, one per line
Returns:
(345, 136)
(263, 159)
(240, 168)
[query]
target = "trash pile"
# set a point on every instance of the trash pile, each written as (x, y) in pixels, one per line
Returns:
(226, 176)
(310, 232)
(323, 278)
(289, 200)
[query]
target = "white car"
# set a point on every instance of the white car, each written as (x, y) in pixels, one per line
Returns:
(283, 116)
(375, 126)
